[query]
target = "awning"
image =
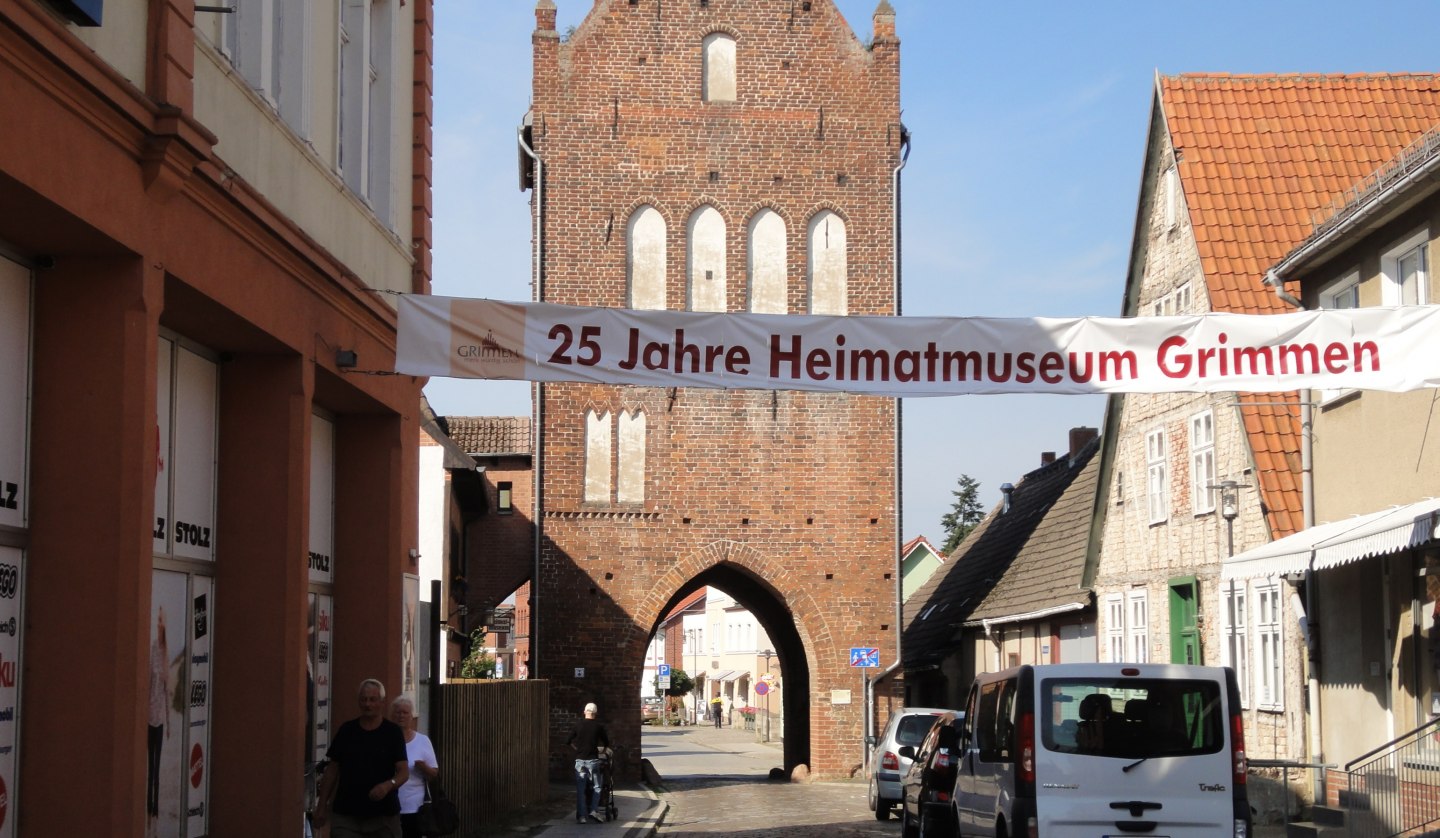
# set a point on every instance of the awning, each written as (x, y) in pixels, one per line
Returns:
(1340, 542)
(721, 675)
(735, 675)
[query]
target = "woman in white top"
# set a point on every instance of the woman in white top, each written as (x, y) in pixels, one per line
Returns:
(423, 765)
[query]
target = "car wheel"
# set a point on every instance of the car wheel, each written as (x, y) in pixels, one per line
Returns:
(907, 827)
(872, 795)
(934, 824)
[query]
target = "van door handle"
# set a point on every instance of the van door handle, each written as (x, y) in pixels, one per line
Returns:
(1136, 807)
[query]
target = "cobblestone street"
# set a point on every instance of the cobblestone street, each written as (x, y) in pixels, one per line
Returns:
(760, 808)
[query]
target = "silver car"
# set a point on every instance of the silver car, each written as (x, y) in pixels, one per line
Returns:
(907, 726)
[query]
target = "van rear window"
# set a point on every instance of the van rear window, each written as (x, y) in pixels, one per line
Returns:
(1132, 718)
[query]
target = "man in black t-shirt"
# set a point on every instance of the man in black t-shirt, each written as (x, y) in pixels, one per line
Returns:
(367, 763)
(587, 739)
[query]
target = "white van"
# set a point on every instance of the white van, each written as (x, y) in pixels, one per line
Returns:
(1103, 749)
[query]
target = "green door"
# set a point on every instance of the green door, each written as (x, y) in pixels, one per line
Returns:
(1185, 621)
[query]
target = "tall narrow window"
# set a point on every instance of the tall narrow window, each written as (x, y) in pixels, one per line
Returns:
(1270, 663)
(827, 268)
(597, 457)
(706, 260)
(630, 487)
(1202, 461)
(767, 263)
(1115, 627)
(504, 497)
(645, 258)
(1172, 197)
(1158, 477)
(1137, 626)
(379, 78)
(364, 92)
(717, 82)
(1404, 272)
(1235, 645)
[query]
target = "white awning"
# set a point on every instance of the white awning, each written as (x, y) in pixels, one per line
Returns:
(735, 675)
(1340, 542)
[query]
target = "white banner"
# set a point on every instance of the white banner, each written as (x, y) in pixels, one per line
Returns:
(1388, 348)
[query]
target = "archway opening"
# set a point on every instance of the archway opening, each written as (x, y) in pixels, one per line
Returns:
(735, 638)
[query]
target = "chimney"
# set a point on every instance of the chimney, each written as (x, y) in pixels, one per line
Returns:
(1047, 457)
(1081, 437)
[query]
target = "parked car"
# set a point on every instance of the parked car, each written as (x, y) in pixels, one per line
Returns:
(925, 808)
(650, 707)
(1103, 748)
(907, 726)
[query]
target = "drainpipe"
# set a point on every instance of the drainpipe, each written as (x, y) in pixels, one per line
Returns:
(868, 727)
(1307, 496)
(537, 432)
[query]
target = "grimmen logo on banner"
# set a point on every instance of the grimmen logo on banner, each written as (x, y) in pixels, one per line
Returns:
(492, 357)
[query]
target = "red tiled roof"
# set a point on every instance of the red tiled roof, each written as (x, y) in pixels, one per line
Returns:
(1260, 157)
(489, 435)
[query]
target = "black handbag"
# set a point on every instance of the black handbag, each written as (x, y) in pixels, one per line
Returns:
(437, 815)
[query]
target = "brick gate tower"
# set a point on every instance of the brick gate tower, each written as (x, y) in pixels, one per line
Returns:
(716, 155)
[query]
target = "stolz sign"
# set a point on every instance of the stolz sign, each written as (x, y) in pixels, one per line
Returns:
(1392, 348)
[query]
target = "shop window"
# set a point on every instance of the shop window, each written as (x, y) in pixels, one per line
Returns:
(177, 776)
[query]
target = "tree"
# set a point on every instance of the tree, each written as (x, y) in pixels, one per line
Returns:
(680, 683)
(964, 515)
(478, 664)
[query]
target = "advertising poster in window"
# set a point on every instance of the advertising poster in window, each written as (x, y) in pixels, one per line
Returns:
(169, 697)
(12, 564)
(193, 499)
(197, 752)
(164, 395)
(322, 499)
(410, 639)
(14, 389)
(318, 685)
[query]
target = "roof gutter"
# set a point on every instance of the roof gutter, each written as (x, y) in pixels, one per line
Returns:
(990, 622)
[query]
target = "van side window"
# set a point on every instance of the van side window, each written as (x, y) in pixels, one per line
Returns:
(986, 726)
(1005, 721)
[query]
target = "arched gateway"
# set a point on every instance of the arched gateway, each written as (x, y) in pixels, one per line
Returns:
(785, 500)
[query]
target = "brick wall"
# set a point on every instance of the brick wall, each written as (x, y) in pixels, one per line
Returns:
(792, 493)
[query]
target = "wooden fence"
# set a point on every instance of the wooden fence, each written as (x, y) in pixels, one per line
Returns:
(492, 739)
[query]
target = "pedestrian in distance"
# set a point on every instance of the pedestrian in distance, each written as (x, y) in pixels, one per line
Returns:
(715, 704)
(424, 767)
(588, 737)
(367, 765)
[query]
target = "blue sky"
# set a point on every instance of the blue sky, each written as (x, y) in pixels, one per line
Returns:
(1028, 122)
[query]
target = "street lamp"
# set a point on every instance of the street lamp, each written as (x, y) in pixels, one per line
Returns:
(767, 653)
(1229, 508)
(695, 674)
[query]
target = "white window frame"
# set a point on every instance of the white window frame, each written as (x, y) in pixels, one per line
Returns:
(1115, 627)
(1391, 261)
(1203, 473)
(1269, 617)
(1157, 474)
(1234, 632)
(1341, 294)
(1137, 625)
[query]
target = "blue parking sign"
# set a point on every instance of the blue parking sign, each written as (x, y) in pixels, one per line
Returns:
(664, 670)
(864, 656)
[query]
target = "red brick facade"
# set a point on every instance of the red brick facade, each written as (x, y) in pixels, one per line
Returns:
(784, 500)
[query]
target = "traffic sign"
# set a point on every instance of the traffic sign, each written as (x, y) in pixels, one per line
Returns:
(762, 687)
(663, 670)
(864, 656)
(664, 682)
